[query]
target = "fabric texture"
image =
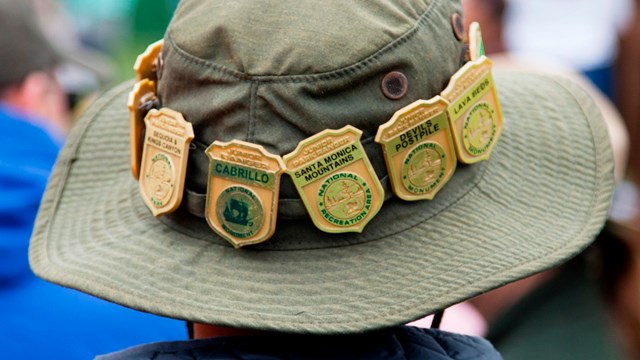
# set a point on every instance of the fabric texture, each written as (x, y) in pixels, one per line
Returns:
(539, 200)
(42, 320)
(393, 344)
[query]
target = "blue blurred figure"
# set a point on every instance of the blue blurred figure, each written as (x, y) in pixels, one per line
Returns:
(38, 319)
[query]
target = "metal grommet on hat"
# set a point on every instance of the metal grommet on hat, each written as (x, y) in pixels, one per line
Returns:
(458, 26)
(394, 85)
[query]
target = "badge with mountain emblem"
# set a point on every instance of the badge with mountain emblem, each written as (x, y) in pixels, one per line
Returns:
(164, 160)
(335, 180)
(418, 149)
(243, 191)
(474, 111)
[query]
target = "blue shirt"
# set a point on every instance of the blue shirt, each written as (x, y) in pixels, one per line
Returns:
(39, 320)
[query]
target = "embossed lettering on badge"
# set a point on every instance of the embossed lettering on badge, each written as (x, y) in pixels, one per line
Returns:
(243, 191)
(418, 148)
(335, 180)
(164, 160)
(474, 111)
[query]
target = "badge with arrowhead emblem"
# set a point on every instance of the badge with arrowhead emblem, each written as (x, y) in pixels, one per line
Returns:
(418, 149)
(144, 92)
(164, 160)
(147, 62)
(335, 180)
(243, 191)
(474, 111)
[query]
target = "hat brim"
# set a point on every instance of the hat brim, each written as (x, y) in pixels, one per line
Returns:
(540, 199)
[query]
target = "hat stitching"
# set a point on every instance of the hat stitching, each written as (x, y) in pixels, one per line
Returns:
(329, 75)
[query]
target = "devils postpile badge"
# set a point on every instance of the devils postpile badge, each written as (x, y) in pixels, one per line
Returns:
(335, 180)
(164, 160)
(474, 111)
(144, 92)
(243, 191)
(418, 148)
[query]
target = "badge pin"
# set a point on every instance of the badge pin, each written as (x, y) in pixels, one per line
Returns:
(243, 191)
(143, 91)
(476, 45)
(336, 180)
(164, 160)
(474, 111)
(146, 63)
(418, 149)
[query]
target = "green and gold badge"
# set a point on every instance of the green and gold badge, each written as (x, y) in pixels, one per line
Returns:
(476, 45)
(164, 160)
(335, 180)
(474, 111)
(243, 191)
(418, 148)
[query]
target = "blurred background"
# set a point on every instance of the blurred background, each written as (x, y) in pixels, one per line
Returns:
(586, 309)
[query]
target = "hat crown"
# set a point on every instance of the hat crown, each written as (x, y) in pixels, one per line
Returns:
(276, 72)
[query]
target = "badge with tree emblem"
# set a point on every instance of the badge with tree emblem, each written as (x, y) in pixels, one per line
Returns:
(418, 149)
(243, 191)
(164, 160)
(335, 180)
(144, 92)
(474, 111)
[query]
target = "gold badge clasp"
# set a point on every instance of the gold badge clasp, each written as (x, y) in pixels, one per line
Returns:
(418, 148)
(164, 160)
(243, 191)
(336, 180)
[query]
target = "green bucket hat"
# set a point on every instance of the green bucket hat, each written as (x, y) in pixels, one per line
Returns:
(274, 73)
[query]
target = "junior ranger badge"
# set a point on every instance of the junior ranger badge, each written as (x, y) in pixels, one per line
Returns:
(474, 111)
(476, 45)
(147, 62)
(144, 91)
(164, 160)
(335, 180)
(243, 191)
(418, 148)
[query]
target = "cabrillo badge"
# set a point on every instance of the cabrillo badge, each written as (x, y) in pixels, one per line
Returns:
(474, 111)
(243, 191)
(335, 180)
(418, 148)
(143, 92)
(146, 63)
(164, 160)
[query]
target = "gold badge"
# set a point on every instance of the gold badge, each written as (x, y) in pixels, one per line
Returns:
(418, 148)
(164, 160)
(474, 111)
(476, 45)
(147, 62)
(335, 180)
(143, 92)
(243, 191)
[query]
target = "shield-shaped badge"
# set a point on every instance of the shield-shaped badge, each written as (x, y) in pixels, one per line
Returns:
(335, 180)
(418, 148)
(144, 91)
(474, 111)
(243, 191)
(146, 63)
(164, 160)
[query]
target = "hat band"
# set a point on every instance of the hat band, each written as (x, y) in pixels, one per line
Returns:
(338, 188)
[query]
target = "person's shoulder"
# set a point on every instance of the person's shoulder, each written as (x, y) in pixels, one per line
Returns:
(454, 346)
(159, 349)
